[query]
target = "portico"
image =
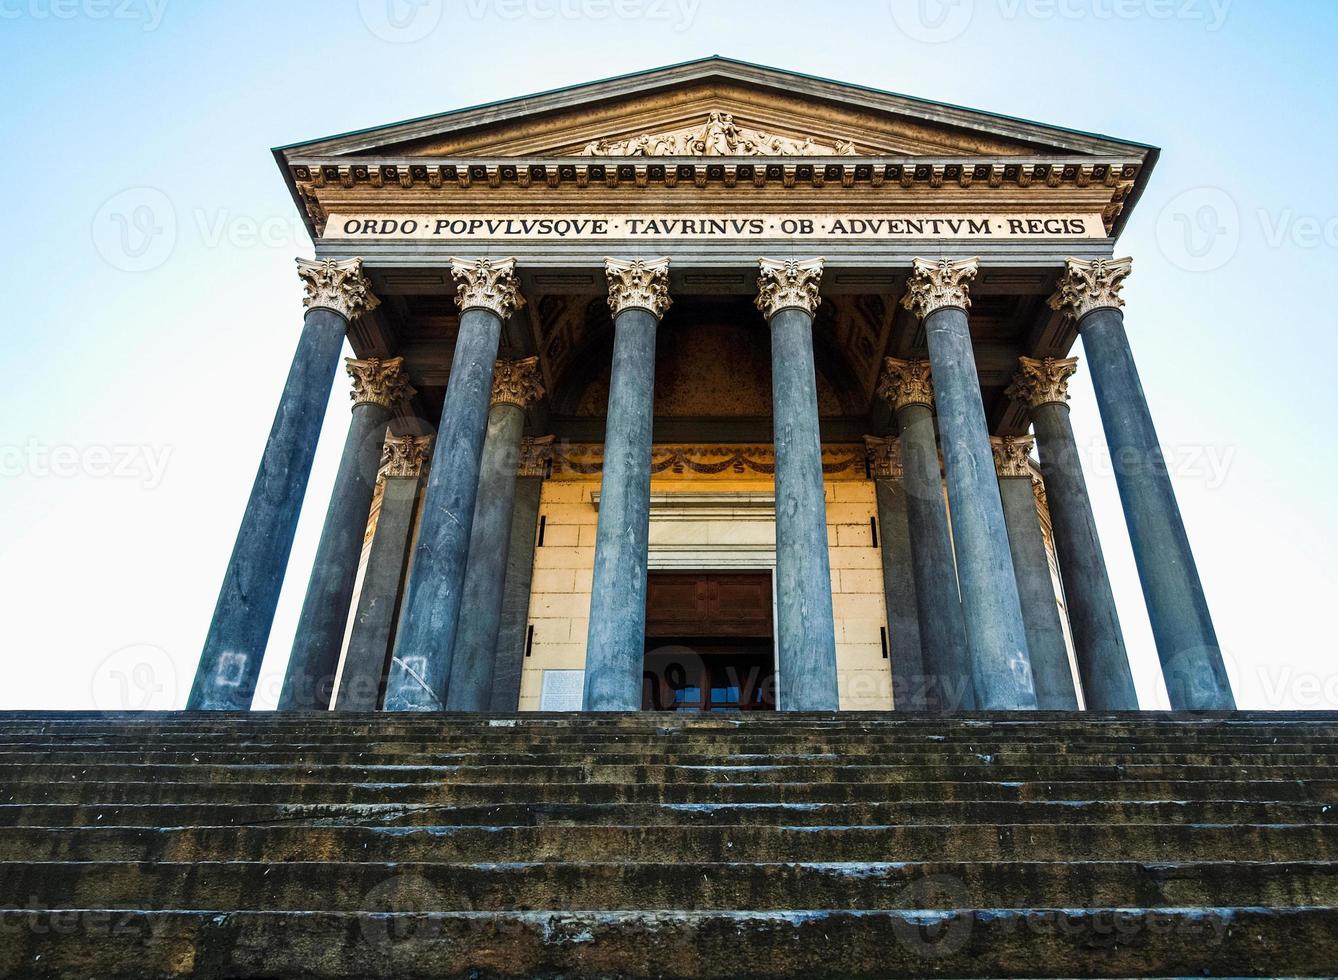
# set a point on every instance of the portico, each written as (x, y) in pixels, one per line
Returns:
(813, 321)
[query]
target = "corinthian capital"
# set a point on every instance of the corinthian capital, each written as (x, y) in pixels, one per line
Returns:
(788, 284)
(516, 382)
(487, 284)
(378, 382)
(906, 383)
(935, 285)
(1040, 382)
(638, 284)
(1012, 455)
(405, 456)
(884, 455)
(1088, 286)
(336, 285)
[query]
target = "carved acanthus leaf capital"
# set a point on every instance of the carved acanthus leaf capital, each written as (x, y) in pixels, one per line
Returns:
(405, 456)
(536, 456)
(487, 284)
(638, 284)
(936, 285)
(1087, 286)
(1042, 381)
(906, 383)
(789, 283)
(378, 382)
(517, 382)
(336, 285)
(884, 455)
(1012, 455)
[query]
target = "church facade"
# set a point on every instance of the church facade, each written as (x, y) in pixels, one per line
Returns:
(712, 388)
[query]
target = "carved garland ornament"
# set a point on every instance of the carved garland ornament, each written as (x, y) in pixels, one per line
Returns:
(719, 136)
(787, 284)
(405, 456)
(1040, 382)
(338, 286)
(487, 284)
(1012, 455)
(937, 285)
(586, 460)
(638, 284)
(884, 456)
(516, 382)
(378, 382)
(1087, 286)
(906, 383)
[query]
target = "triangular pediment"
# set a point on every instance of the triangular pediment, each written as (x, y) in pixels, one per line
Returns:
(714, 107)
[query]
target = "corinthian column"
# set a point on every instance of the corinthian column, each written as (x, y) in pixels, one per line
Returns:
(336, 293)
(995, 634)
(907, 387)
(1191, 658)
(1098, 642)
(515, 384)
(1040, 609)
(309, 681)
(402, 462)
(487, 293)
(616, 643)
(787, 295)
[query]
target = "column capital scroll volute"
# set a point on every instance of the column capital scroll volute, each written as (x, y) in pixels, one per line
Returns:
(906, 382)
(1086, 286)
(940, 284)
(337, 285)
(378, 381)
(789, 284)
(1012, 455)
(641, 284)
(487, 284)
(1042, 381)
(884, 456)
(405, 456)
(517, 382)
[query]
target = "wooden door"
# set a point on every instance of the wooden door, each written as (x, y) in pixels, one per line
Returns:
(700, 604)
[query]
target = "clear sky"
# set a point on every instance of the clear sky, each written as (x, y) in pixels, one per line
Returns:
(151, 308)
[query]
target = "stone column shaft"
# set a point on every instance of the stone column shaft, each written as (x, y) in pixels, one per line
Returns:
(509, 657)
(369, 643)
(1049, 653)
(1182, 626)
(616, 643)
(806, 681)
(515, 385)
(226, 676)
(424, 648)
(309, 680)
(949, 687)
(995, 634)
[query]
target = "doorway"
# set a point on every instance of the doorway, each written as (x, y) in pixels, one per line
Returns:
(709, 642)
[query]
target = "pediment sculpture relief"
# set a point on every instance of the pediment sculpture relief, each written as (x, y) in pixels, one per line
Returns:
(720, 136)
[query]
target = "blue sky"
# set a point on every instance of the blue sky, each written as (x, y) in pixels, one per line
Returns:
(152, 309)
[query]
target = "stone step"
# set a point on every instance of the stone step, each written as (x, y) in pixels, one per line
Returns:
(594, 771)
(373, 792)
(508, 811)
(809, 943)
(922, 842)
(761, 885)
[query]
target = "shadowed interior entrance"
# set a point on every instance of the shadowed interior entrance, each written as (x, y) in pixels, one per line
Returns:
(709, 643)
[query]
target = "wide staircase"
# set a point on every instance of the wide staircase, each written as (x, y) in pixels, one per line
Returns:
(395, 846)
